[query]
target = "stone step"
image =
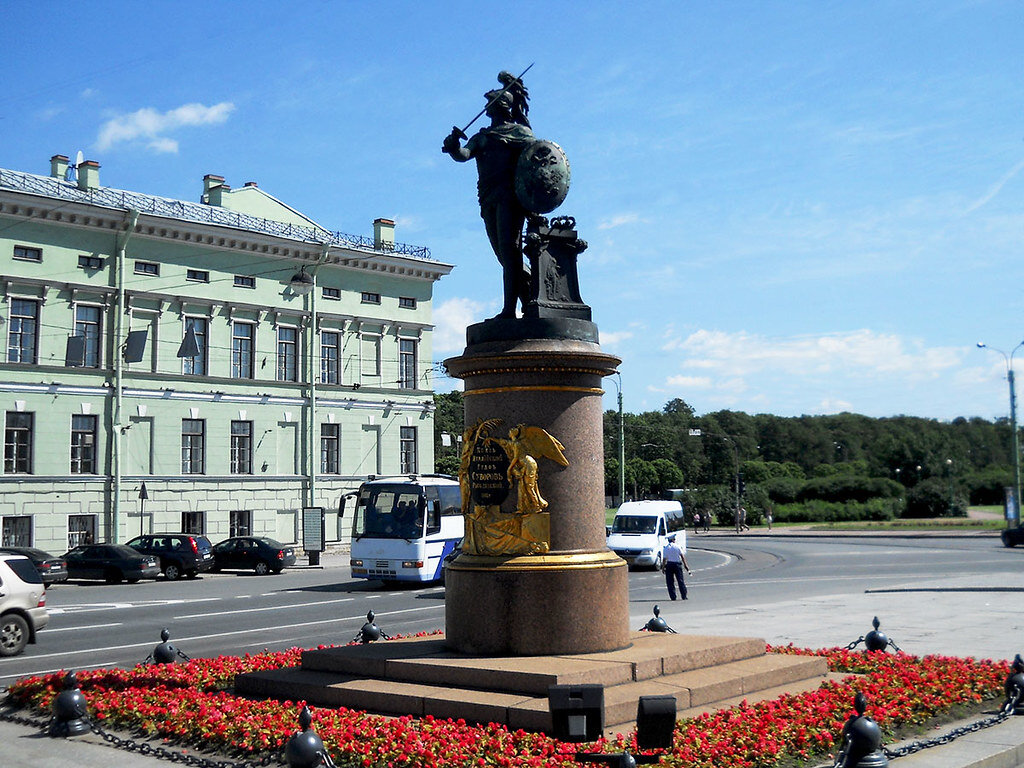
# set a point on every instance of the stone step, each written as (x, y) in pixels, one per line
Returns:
(692, 688)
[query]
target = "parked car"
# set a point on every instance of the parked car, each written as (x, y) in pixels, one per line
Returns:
(178, 553)
(1012, 536)
(51, 569)
(259, 553)
(22, 604)
(110, 562)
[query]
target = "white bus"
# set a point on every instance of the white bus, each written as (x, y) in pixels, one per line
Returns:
(404, 527)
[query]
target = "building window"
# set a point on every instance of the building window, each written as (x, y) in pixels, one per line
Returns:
(83, 445)
(407, 450)
(370, 298)
(193, 446)
(17, 531)
(81, 530)
(18, 443)
(197, 275)
(241, 448)
(147, 268)
(406, 302)
(330, 449)
(194, 523)
(24, 253)
(87, 324)
(23, 335)
(196, 366)
(369, 354)
(90, 262)
(245, 281)
(240, 522)
(243, 336)
(330, 357)
(332, 293)
(287, 353)
(407, 363)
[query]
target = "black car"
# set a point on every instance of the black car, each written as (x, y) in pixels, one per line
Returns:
(51, 569)
(110, 562)
(259, 553)
(178, 553)
(1012, 536)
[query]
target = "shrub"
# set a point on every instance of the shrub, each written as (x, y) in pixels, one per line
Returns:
(849, 488)
(817, 511)
(934, 497)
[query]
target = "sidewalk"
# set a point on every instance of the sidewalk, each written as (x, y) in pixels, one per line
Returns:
(965, 616)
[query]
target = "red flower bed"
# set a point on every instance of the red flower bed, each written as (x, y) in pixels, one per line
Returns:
(191, 704)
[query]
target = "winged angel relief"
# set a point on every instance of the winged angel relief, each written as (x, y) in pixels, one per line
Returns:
(490, 467)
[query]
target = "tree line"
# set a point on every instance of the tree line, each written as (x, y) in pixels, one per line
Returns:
(842, 466)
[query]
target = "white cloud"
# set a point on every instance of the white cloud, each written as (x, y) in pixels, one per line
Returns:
(619, 221)
(450, 320)
(612, 339)
(148, 123)
(996, 188)
(688, 382)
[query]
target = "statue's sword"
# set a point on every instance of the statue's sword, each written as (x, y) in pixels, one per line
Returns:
(462, 131)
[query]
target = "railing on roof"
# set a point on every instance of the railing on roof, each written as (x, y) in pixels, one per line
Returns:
(210, 214)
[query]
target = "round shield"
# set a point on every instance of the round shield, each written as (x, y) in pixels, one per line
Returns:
(542, 177)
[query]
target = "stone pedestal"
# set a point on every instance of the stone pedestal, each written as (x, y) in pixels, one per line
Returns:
(572, 598)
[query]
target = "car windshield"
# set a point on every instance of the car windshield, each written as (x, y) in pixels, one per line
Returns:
(389, 512)
(634, 524)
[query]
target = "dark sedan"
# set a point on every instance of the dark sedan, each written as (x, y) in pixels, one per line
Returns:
(1012, 536)
(258, 553)
(51, 569)
(111, 563)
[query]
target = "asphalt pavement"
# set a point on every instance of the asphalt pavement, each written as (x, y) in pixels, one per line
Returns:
(979, 616)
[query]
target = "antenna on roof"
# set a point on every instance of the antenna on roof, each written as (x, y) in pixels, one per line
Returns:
(72, 172)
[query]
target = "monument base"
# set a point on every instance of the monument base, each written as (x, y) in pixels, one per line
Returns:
(537, 604)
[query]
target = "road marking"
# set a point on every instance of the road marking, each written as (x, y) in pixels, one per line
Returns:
(50, 631)
(92, 607)
(267, 608)
(180, 640)
(79, 667)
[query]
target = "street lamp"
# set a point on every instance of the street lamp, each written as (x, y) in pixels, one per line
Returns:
(1008, 359)
(949, 474)
(622, 441)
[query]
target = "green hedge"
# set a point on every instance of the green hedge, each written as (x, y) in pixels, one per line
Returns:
(817, 511)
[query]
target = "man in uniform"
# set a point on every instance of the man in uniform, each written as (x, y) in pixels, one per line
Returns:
(673, 561)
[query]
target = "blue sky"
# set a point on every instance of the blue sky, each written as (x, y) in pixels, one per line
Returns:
(792, 207)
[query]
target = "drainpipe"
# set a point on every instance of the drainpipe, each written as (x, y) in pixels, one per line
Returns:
(311, 357)
(131, 219)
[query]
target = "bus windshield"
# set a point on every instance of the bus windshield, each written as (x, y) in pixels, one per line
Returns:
(634, 524)
(389, 512)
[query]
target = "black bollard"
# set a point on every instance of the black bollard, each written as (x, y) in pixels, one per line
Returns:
(875, 640)
(305, 749)
(861, 740)
(165, 653)
(657, 624)
(1014, 686)
(370, 631)
(70, 712)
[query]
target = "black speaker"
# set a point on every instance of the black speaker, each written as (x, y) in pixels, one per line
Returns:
(577, 712)
(655, 722)
(74, 352)
(135, 346)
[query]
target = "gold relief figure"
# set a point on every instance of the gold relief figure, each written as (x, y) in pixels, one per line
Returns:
(524, 444)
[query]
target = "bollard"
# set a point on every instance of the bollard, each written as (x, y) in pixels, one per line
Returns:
(370, 631)
(875, 640)
(305, 749)
(1014, 686)
(165, 653)
(657, 624)
(70, 712)
(861, 740)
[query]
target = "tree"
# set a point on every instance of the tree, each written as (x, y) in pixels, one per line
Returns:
(448, 420)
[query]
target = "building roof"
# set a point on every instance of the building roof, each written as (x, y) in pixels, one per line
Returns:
(57, 188)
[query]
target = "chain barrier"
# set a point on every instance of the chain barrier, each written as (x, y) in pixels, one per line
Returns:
(1005, 712)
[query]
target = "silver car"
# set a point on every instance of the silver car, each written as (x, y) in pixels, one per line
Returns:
(22, 604)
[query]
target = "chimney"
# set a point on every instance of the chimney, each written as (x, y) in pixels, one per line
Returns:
(383, 235)
(251, 184)
(88, 175)
(58, 166)
(210, 181)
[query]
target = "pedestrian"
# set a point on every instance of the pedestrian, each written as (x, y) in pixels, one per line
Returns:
(673, 561)
(743, 520)
(768, 517)
(707, 522)
(696, 522)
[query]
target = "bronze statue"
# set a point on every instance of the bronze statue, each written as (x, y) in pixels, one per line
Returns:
(496, 150)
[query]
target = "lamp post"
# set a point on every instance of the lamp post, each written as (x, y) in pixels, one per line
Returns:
(622, 441)
(143, 495)
(1008, 359)
(949, 474)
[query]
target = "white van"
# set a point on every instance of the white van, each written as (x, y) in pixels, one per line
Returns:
(640, 531)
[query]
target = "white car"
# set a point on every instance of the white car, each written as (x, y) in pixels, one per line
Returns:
(22, 604)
